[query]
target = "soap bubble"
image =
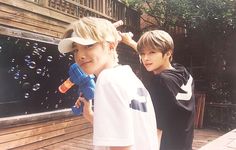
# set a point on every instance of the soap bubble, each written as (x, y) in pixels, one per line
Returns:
(24, 76)
(27, 95)
(26, 85)
(31, 64)
(36, 87)
(27, 58)
(49, 59)
(56, 106)
(27, 43)
(17, 75)
(39, 71)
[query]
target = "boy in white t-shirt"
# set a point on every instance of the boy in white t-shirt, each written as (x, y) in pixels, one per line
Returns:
(123, 117)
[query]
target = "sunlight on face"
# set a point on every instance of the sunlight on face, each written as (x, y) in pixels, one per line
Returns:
(154, 60)
(92, 58)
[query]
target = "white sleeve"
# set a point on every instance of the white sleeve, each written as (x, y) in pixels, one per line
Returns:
(112, 116)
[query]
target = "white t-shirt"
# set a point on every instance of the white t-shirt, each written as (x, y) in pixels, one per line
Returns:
(123, 112)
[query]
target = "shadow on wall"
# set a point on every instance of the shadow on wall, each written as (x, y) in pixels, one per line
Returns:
(30, 73)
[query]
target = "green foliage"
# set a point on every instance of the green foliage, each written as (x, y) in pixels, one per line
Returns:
(190, 13)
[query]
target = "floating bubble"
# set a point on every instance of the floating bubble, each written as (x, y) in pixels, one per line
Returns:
(60, 101)
(49, 59)
(27, 58)
(27, 95)
(0, 49)
(24, 76)
(43, 49)
(56, 106)
(35, 45)
(41, 103)
(26, 85)
(43, 73)
(13, 60)
(12, 69)
(35, 52)
(17, 75)
(36, 87)
(27, 43)
(61, 55)
(31, 64)
(39, 71)
(71, 57)
(16, 42)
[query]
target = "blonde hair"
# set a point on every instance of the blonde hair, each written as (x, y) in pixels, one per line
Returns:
(156, 40)
(98, 29)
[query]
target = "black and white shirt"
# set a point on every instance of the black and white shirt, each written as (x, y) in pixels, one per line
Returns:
(174, 103)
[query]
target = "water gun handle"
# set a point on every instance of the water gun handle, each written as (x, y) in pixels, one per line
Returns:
(85, 83)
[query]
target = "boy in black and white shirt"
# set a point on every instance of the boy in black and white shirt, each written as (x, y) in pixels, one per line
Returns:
(171, 88)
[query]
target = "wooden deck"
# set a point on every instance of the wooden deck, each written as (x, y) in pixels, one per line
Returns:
(67, 133)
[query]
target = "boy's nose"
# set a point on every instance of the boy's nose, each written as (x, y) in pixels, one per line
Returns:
(82, 57)
(145, 57)
(79, 56)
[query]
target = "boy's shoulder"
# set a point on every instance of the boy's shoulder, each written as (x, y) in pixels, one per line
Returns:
(178, 75)
(116, 73)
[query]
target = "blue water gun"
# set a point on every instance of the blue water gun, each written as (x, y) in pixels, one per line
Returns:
(85, 83)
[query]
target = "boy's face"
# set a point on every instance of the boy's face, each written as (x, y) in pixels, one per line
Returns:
(154, 60)
(92, 58)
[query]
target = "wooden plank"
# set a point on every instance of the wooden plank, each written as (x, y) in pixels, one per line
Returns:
(35, 17)
(43, 133)
(50, 141)
(71, 145)
(25, 141)
(224, 142)
(26, 27)
(37, 131)
(39, 25)
(28, 35)
(74, 121)
(40, 10)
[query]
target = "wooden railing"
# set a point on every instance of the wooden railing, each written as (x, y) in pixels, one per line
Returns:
(50, 17)
(111, 9)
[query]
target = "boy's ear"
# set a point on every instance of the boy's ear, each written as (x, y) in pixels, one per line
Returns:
(169, 53)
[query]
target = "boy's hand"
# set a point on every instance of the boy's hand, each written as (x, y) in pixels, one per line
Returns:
(126, 38)
(87, 109)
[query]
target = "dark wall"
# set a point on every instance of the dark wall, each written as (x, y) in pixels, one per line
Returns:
(30, 73)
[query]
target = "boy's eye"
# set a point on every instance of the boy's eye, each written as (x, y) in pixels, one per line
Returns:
(152, 52)
(141, 54)
(75, 50)
(88, 46)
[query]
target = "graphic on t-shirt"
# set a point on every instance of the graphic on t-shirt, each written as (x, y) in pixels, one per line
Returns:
(138, 104)
(188, 89)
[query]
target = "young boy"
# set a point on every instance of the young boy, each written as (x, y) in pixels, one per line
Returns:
(171, 88)
(123, 117)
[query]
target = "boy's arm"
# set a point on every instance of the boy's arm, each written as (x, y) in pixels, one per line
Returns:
(126, 38)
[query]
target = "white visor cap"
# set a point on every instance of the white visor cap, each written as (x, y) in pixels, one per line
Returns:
(65, 45)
